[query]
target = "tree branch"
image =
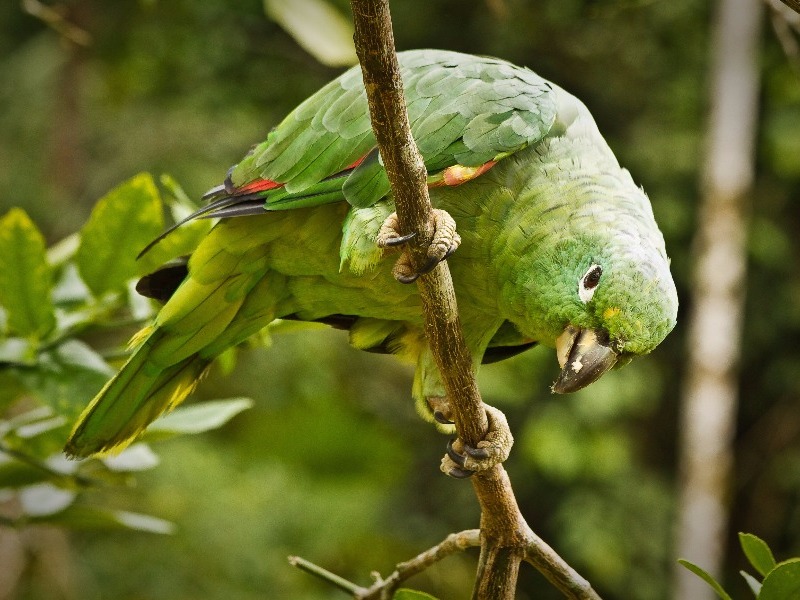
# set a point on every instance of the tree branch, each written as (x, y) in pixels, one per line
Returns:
(786, 25)
(793, 4)
(407, 175)
(506, 538)
(57, 21)
(383, 589)
(332, 578)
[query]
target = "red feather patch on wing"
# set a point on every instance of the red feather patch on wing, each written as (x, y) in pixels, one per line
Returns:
(354, 164)
(265, 185)
(458, 174)
(258, 185)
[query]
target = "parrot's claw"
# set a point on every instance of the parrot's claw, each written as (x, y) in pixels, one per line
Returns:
(440, 408)
(398, 240)
(388, 236)
(440, 418)
(459, 473)
(403, 269)
(462, 461)
(445, 241)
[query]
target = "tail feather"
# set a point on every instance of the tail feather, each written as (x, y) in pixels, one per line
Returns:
(133, 399)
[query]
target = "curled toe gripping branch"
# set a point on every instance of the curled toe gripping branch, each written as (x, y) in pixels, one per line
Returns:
(462, 461)
(444, 242)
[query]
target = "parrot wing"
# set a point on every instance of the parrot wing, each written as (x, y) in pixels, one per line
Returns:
(463, 110)
(466, 113)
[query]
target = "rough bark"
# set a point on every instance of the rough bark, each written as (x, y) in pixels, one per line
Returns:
(793, 4)
(710, 396)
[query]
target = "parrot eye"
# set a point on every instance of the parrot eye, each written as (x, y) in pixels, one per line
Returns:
(589, 282)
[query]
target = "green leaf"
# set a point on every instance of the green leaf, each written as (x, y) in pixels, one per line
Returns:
(180, 205)
(79, 516)
(45, 499)
(63, 251)
(138, 457)
(705, 577)
(752, 582)
(122, 223)
(31, 449)
(67, 377)
(18, 351)
(318, 27)
(34, 415)
(757, 552)
(198, 418)
(43, 426)
(140, 522)
(181, 241)
(25, 276)
(11, 388)
(141, 307)
(406, 594)
(16, 474)
(70, 288)
(783, 582)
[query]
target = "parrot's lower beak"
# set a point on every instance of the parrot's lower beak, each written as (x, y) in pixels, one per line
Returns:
(583, 358)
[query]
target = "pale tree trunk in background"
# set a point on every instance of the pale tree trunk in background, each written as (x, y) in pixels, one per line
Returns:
(710, 396)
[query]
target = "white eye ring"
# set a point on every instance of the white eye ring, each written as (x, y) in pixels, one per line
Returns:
(588, 283)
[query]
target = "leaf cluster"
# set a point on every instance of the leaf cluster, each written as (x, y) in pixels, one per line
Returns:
(57, 306)
(779, 580)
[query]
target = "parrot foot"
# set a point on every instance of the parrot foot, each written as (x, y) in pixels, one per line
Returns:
(445, 241)
(462, 461)
(440, 408)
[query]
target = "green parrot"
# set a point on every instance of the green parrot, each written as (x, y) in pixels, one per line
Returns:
(556, 246)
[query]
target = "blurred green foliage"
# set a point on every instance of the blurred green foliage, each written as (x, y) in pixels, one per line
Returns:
(331, 463)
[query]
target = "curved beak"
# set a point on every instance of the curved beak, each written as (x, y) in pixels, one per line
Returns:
(583, 358)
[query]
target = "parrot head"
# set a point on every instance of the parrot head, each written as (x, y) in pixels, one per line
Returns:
(602, 298)
(590, 260)
(625, 308)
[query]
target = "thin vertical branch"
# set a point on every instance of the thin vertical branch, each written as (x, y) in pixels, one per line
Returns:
(793, 4)
(408, 177)
(506, 538)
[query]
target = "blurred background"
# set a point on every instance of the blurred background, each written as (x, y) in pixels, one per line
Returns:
(332, 463)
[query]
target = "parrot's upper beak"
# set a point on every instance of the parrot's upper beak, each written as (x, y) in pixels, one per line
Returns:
(583, 358)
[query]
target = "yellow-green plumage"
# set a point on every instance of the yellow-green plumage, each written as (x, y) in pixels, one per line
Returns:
(134, 398)
(555, 206)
